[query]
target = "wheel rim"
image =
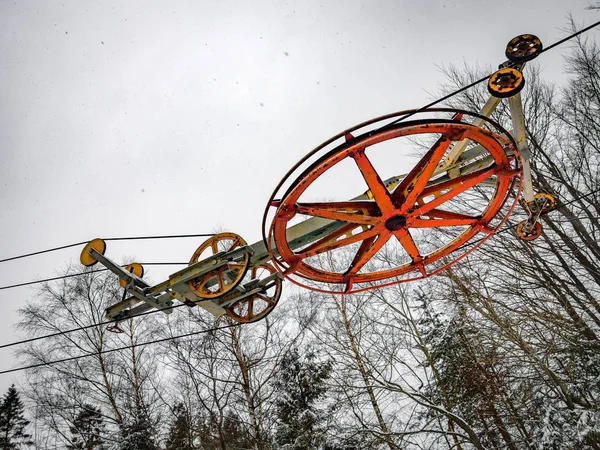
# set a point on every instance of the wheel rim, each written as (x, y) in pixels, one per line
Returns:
(258, 306)
(392, 215)
(223, 279)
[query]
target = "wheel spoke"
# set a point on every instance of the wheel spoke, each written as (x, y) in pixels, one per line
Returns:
(325, 244)
(214, 247)
(251, 307)
(409, 245)
(464, 183)
(441, 214)
(339, 211)
(268, 300)
(434, 223)
(235, 243)
(453, 183)
(412, 185)
(220, 280)
(367, 250)
(369, 207)
(376, 186)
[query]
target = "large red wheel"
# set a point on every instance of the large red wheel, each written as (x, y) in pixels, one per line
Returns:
(403, 230)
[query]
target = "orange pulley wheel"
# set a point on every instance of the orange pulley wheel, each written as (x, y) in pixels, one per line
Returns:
(529, 235)
(257, 306)
(97, 244)
(225, 278)
(404, 231)
(506, 83)
(135, 268)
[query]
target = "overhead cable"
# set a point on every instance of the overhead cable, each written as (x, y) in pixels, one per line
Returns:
(28, 283)
(511, 227)
(117, 349)
(131, 238)
(481, 80)
(86, 327)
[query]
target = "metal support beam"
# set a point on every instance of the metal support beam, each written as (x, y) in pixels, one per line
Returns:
(520, 135)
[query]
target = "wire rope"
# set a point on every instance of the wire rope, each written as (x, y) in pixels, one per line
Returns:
(481, 80)
(117, 349)
(130, 238)
(45, 280)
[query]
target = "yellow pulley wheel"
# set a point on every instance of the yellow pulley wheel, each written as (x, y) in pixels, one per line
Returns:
(225, 278)
(135, 268)
(97, 244)
(547, 201)
(506, 83)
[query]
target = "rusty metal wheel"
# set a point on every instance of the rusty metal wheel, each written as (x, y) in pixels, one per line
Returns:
(506, 83)
(225, 278)
(409, 229)
(527, 232)
(523, 48)
(545, 201)
(257, 306)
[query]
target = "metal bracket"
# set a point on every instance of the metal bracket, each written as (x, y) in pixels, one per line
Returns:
(161, 295)
(251, 288)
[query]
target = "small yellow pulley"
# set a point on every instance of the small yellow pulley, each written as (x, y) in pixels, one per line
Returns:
(97, 244)
(547, 201)
(136, 269)
(506, 82)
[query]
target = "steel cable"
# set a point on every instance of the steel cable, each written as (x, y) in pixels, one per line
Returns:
(117, 349)
(131, 238)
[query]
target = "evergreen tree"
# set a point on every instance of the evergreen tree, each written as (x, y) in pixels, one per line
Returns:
(300, 385)
(181, 433)
(87, 430)
(137, 433)
(13, 422)
(233, 434)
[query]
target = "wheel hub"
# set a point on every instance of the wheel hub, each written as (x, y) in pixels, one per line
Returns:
(506, 81)
(395, 223)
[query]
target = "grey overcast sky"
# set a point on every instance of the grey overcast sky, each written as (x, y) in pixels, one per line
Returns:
(125, 118)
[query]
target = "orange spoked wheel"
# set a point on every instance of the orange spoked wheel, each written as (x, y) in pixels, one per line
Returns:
(529, 232)
(404, 227)
(225, 278)
(258, 306)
